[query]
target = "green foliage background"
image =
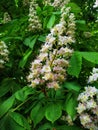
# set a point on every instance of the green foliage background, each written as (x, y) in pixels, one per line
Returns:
(24, 108)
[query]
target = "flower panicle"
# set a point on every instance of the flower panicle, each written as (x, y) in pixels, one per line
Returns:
(49, 67)
(60, 3)
(3, 54)
(34, 21)
(88, 106)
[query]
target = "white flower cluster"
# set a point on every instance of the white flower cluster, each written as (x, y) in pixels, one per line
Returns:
(67, 119)
(88, 108)
(34, 21)
(56, 3)
(96, 4)
(6, 18)
(3, 53)
(49, 68)
(94, 76)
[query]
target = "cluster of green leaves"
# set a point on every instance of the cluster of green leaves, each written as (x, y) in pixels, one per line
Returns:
(42, 107)
(24, 108)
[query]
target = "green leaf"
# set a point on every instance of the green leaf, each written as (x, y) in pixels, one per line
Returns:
(6, 105)
(5, 86)
(46, 126)
(25, 58)
(51, 21)
(37, 113)
(30, 41)
(53, 111)
(75, 64)
(16, 3)
(22, 94)
(72, 86)
(7, 123)
(11, 38)
(70, 105)
(90, 56)
(74, 7)
(42, 38)
(81, 25)
(66, 127)
(2, 123)
(19, 119)
(38, 10)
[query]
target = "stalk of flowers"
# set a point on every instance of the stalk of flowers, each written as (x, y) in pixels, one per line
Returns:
(56, 3)
(34, 21)
(3, 53)
(88, 108)
(6, 18)
(94, 76)
(49, 68)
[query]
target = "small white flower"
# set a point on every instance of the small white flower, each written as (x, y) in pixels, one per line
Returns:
(48, 76)
(95, 70)
(45, 48)
(85, 118)
(81, 107)
(43, 56)
(91, 104)
(46, 69)
(69, 120)
(91, 91)
(83, 97)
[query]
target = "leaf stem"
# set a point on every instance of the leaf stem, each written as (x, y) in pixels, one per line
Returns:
(21, 104)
